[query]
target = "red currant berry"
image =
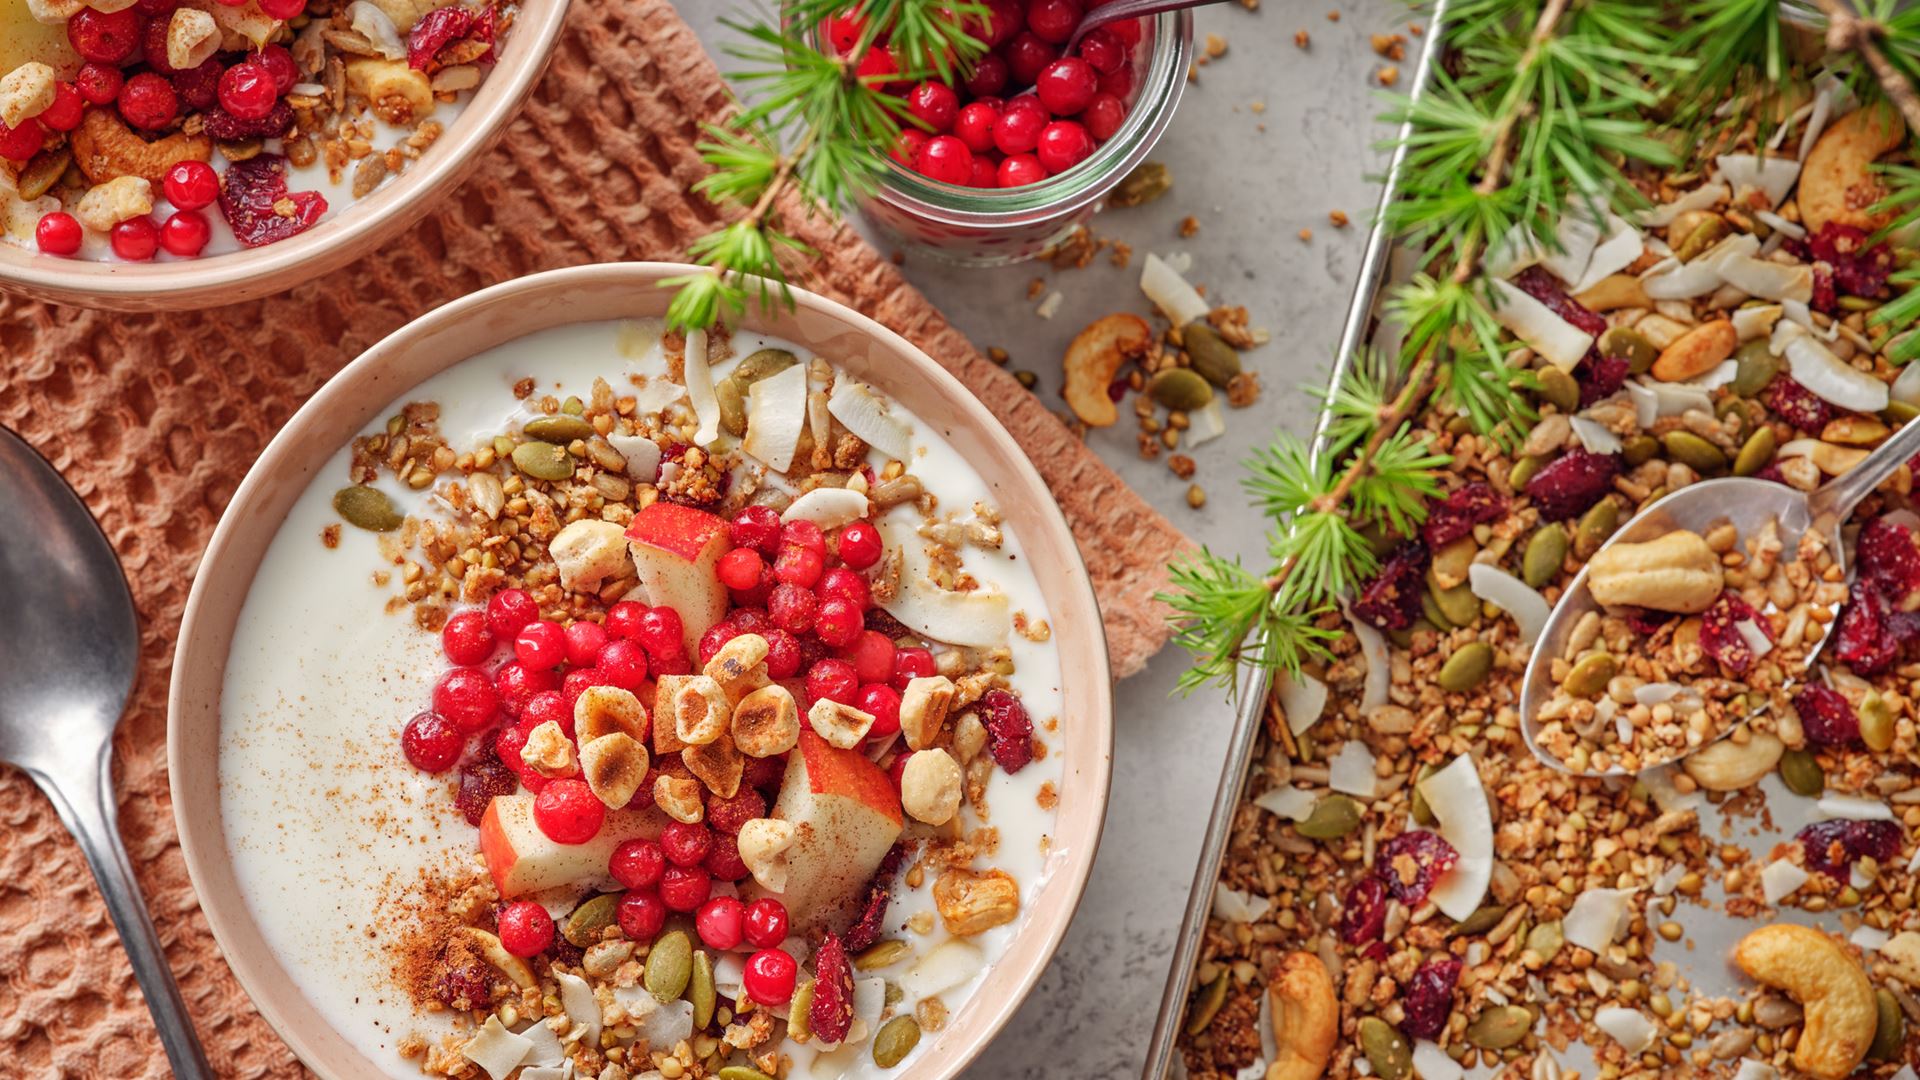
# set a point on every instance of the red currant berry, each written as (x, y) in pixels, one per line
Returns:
(838, 623)
(717, 635)
(156, 8)
(569, 812)
(541, 644)
(791, 608)
(518, 683)
(431, 743)
(465, 697)
(584, 641)
(727, 815)
(798, 565)
(883, 704)
(153, 46)
(1019, 171)
(623, 619)
(740, 568)
(247, 91)
(1026, 56)
(662, 636)
(719, 923)
(685, 888)
(783, 654)
(871, 655)
(1129, 31)
(751, 621)
(135, 239)
(465, 639)
(945, 159)
(804, 533)
(833, 680)
(622, 663)
(908, 145)
(148, 102)
(547, 706)
(841, 583)
(637, 864)
(99, 83)
(278, 63)
(1053, 20)
(765, 925)
(984, 172)
(1017, 131)
(509, 612)
(724, 862)
(988, 77)
(685, 844)
(283, 9)
(192, 185)
(1118, 82)
(860, 545)
(843, 31)
(525, 928)
(577, 682)
(878, 67)
(64, 114)
(1102, 49)
(911, 664)
(769, 977)
(23, 142)
(641, 915)
(757, 527)
(1064, 144)
(58, 233)
(934, 104)
(104, 38)
(1104, 115)
(1066, 85)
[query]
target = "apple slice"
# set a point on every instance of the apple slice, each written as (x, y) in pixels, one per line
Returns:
(846, 817)
(675, 548)
(522, 859)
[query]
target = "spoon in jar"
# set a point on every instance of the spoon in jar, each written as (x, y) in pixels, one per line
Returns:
(1745, 503)
(73, 644)
(1116, 10)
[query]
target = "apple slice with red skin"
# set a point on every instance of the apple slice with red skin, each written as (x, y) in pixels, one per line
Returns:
(846, 818)
(523, 860)
(675, 549)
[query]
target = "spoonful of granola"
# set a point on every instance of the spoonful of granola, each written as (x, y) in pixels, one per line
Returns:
(1698, 620)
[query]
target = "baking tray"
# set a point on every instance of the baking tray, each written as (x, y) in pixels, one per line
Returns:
(1376, 267)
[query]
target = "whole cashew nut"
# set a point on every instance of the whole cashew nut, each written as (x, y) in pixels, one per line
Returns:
(1831, 988)
(1306, 1017)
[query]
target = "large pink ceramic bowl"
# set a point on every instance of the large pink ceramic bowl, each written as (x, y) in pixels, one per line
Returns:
(360, 395)
(348, 233)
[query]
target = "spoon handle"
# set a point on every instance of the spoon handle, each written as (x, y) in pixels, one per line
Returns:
(1835, 499)
(85, 804)
(1116, 10)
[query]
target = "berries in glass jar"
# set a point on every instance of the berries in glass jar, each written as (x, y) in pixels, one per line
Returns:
(843, 31)
(1104, 115)
(685, 844)
(509, 612)
(1102, 49)
(1063, 144)
(465, 638)
(640, 915)
(833, 680)
(1019, 170)
(1118, 82)
(974, 126)
(765, 923)
(685, 888)
(719, 923)
(908, 145)
(622, 663)
(58, 233)
(148, 102)
(1018, 129)
(637, 864)
(1053, 20)
(102, 37)
(878, 66)
(431, 743)
(770, 976)
(988, 77)
(1066, 85)
(464, 696)
(569, 812)
(934, 104)
(1027, 55)
(541, 644)
(193, 185)
(525, 928)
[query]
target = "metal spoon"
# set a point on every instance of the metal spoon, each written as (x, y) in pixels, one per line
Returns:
(1746, 503)
(72, 645)
(1126, 9)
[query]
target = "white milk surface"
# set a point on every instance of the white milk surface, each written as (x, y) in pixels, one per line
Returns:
(327, 821)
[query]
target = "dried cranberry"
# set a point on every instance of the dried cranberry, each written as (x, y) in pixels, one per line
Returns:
(479, 783)
(1832, 846)
(1826, 715)
(1363, 915)
(1570, 484)
(1391, 601)
(1009, 728)
(254, 191)
(1889, 559)
(1857, 268)
(1430, 998)
(1825, 298)
(222, 124)
(1865, 640)
(1457, 514)
(465, 988)
(199, 87)
(871, 922)
(438, 29)
(1410, 863)
(832, 1011)
(1797, 405)
(1536, 282)
(1771, 472)
(1601, 377)
(1720, 633)
(1647, 622)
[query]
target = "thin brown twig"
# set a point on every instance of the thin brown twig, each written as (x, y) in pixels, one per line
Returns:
(1847, 31)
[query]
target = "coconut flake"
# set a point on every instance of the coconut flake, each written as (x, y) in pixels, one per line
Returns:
(1373, 646)
(1699, 198)
(1757, 1070)
(1295, 804)
(1554, 338)
(1511, 595)
(1594, 436)
(496, 1049)
(1671, 279)
(827, 507)
(546, 1049)
(776, 415)
(699, 379)
(377, 27)
(1802, 315)
(1459, 803)
(944, 967)
(1757, 321)
(641, 453)
(1302, 698)
(1767, 279)
(1596, 917)
(1869, 939)
(1351, 770)
(1623, 245)
(1756, 639)
(1905, 1073)
(1666, 795)
(864, 414)
(670, 1024)
(1669, 879)
(1781, 225)
(548, 1072)
(1854, 808)
(869, 1001)
(1771, 176)
(1653, 400)
(1628, 1027)
(1179, 301)
(1514, 251)
(1906, 386)
(1237, 906)
(1825, 375)
(980, 618)
(1577, 236)
(576, 997)
(1779, 880)
(1432, 1063)
(1206, 423)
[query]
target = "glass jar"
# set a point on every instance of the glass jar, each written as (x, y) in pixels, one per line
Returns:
(995, 226)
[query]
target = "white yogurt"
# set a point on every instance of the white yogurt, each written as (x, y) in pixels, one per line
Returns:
(328, 823)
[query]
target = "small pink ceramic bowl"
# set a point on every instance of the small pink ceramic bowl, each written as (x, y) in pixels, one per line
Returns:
(347, 234)
(361, 393)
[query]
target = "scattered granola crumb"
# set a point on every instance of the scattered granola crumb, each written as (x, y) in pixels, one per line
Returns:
(1389, 75)
(1050, 305)
(1258, 107)
(1121, 255)
(1339, 218)
(1026, 378)
(1250, 5)
(330, 536)
(1391, 46)
(897, 258)
(1182, 465)
(997, 354)
(1243, 390)
(1189, 225)
(1416, 29)
(1196, 496)
(1193, 72)
(1149, 446)
(1333, 16)
(1036, 287)
(1306, 235)
(1301, 39)
(1216, 46)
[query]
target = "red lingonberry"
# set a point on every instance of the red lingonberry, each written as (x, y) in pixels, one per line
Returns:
(637, 864)
(464, 696)
(685, 844)
(685, 888)
(102, 37)
(660, 633)
(791, 608)
(838, 623)
(769, 977)
(833, 680)
(623, 619)
(756, 527)
(740, 568)
(465, 638)
(727, 815)
(974, 126)
(988, 77)
(185, 233)
(842, 31)
(541, 644)
(577, 682)
(509, 611)
(518, 683)
(717, 635)
(1102, 49)
(58, 233)
(1118, 82)
(148, 101)
(641, 915)
(1104, 115)
(1017, 131)
(719, 923)
(584, 640)
(99, 83)
(1066, 85)
(525, 928)
(910, 664)
(622, 663)
(859, 545)
(65, 112)
(283, 9)
(934, 104)
(804, 533)
(882, 702)
(247, 91)
(878, 67)
(871, 655)
(1019, 171)
(840, 583)
(1027, 55)
(724, 861)
(199, 87)
(765, 925)
(799, 565)
(1063, 144)
(135, 239)
(748, 620)
(193, 185)
(569, 812)
(783, 654)
(431, 743)
(908, 145)
(1053, 20)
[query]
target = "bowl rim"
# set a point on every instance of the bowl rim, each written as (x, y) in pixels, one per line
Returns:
(249, 273)
(292, 450)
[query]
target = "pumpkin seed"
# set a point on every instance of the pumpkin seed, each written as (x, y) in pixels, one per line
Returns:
(1801, 772)
(1467, 667)
(1523, 471)
(1856, 303)
(798, 1026)
(1890, 1028)
(367, 508)
(1206, 1004)
(543, 460)
(669, 966)
(1590, 675)
(882, 954)
(573, 406)
(701, 991)
(1546, 550)
(733, 406)
(1179, 388)
(1431, 607)
(1450, 563)
(1148, 181)
(761, 363)
(894, 1041)
(561, 429)
(1709, 232)
(1484, 918)
(1499, 1027)
(590, 920)
(1855, 431)
(1755, 367)
(1595, 526)
(1211, 356)
(1387, 1050)
(1898, 412)
(1458, 604)
(1876, 722)
(742, 1072)
(1423, 813)
(1694, 452)
(1333, 817)
(1545, 940)
(1756, 452)
(1625, 341)
(42, 173)
(1639, 450)
(1559, 387)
